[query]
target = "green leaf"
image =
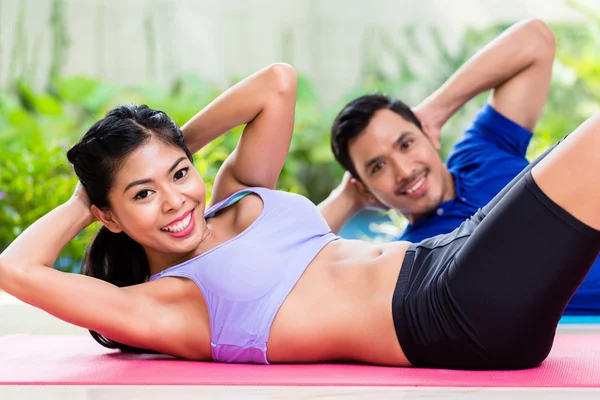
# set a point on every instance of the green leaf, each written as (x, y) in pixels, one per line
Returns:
(86, 92)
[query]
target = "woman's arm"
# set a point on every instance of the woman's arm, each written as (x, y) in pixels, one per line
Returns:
(265, 102)
(50, 234)
(26, 273)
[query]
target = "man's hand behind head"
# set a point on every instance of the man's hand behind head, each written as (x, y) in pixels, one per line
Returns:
(355, 190)
(430, 127)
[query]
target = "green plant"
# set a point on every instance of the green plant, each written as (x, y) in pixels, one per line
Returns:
(34, 177)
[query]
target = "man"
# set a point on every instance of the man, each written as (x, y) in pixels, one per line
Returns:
(391, 152)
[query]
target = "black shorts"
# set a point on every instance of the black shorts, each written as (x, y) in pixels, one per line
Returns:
(489, 294)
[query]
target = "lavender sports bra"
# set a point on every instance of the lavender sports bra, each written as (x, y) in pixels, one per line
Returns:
(246, 279)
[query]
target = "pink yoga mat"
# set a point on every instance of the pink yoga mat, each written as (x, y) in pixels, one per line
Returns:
(78, 360)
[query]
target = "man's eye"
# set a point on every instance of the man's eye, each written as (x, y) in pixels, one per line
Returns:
(406, 144)
(377, 167)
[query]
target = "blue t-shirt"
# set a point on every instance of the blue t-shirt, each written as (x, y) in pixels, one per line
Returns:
(488, 156)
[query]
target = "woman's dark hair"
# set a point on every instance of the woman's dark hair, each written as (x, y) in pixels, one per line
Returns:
(96, 159)
(355, 117)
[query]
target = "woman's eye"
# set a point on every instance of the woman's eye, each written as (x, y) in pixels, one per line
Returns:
(143, 194)
(181, 173)
(406, 145)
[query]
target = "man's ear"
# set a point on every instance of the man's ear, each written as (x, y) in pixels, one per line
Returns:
(368, 199)
(107, 219)
(362, 189)
(434, 137)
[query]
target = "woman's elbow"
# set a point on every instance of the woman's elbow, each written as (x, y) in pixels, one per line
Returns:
(3, 273)
(284, 78)
(10, 275)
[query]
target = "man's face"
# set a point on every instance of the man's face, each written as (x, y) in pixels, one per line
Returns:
(399, 165)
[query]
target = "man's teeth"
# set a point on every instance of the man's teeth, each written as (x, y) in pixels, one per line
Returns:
(178, 227)
(416, 186)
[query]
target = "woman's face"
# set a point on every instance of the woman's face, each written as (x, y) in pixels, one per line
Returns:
(158, 199)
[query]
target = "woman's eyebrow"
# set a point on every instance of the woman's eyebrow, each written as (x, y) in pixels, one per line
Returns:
(149, 180)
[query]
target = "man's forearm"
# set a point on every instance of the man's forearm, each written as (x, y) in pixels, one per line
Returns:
(511, 53)
(337, 211)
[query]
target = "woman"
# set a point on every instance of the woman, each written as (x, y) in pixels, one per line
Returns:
(258, 277)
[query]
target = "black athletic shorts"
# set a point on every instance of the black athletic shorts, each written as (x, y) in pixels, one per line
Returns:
(489, 294)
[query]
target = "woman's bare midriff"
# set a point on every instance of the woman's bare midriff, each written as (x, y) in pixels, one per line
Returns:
(341, 308)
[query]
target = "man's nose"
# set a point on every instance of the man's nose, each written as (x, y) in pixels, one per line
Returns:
(401, 170)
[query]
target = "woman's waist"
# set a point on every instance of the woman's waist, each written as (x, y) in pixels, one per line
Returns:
(346, 256)
(350, 270)
(346, 290)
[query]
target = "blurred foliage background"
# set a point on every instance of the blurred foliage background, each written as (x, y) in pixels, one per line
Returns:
(37, 127)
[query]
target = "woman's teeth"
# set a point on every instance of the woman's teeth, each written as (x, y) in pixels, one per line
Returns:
(416, 186)
(179, 226)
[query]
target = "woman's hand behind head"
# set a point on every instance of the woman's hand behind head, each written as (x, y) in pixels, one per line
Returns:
(81, 196)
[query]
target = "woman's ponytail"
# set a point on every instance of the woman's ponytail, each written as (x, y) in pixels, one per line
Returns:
(118, 259)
